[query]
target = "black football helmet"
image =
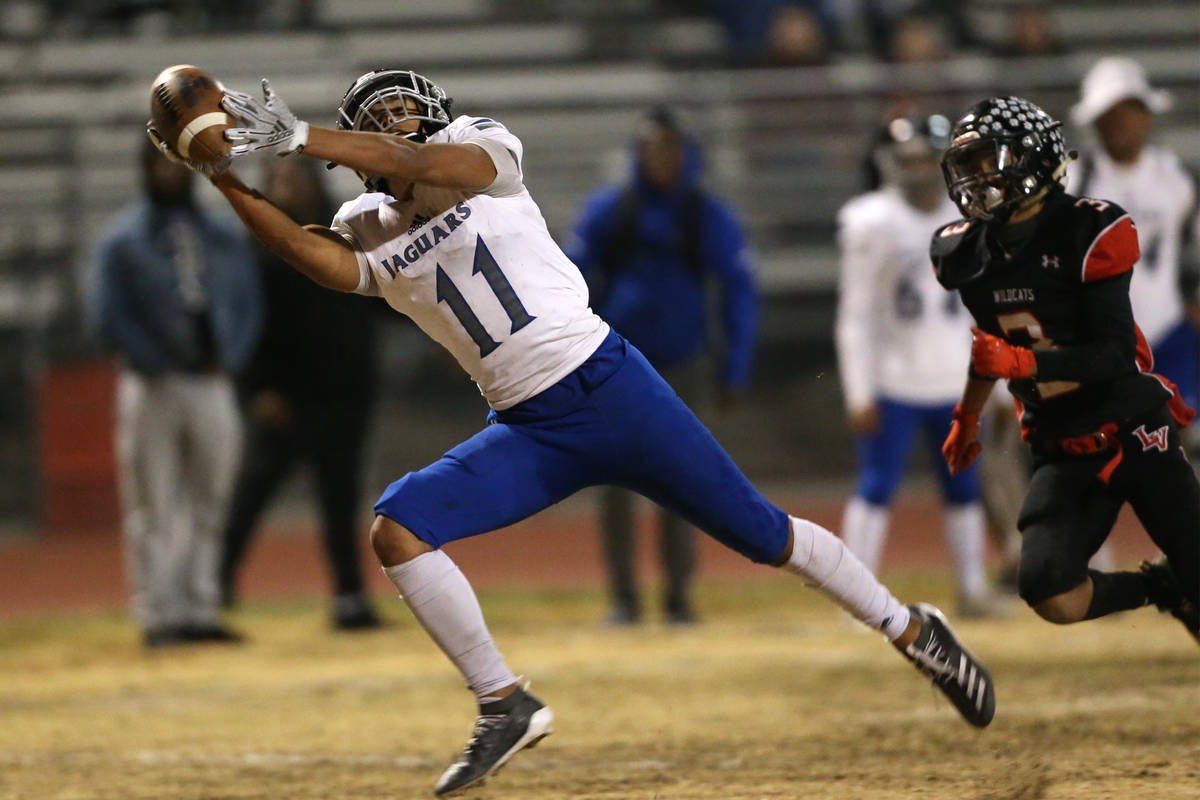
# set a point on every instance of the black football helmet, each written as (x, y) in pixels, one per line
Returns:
(376, 102)
(1004, 152)
(908, 150)
(365, 105)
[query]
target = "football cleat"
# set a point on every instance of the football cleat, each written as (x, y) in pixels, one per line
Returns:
(1163, 590)
(939, 654)
(496, 739)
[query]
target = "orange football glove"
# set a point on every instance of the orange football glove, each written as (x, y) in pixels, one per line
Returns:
(993, 357)
(962, 446)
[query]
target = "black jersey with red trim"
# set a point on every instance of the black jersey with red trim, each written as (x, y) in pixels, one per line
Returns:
(1059, 284)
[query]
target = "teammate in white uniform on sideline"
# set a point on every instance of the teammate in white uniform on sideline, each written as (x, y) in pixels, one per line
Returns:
(902, 350)
(448, 235)
(1160, 193)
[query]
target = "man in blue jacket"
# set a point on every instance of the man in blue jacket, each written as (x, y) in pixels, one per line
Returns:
(174, 293)
(649, 250)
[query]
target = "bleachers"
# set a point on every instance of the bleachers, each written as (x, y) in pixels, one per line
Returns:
(570, 78)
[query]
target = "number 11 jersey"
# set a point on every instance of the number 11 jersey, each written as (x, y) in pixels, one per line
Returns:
(483, 278)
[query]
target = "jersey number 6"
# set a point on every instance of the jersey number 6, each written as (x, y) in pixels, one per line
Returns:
(447, 292)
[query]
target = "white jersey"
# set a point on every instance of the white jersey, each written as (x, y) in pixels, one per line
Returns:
(1160, 197)
(484, 278)
(899, 334)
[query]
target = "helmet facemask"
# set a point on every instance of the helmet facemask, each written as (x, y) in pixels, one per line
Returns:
(990, 178)
(383, 100)
(1006, 154)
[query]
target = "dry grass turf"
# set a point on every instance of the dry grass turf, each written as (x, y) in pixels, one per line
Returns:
(775, 695)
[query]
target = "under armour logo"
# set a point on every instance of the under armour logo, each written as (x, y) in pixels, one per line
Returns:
(1049, 262)
(1157, 439)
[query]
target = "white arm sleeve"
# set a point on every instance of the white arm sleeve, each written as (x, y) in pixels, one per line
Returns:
(366, 281)
(852, 333)
(508, 172)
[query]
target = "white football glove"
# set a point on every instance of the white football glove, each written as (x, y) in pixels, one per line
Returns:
(205, 168)
(267, 124)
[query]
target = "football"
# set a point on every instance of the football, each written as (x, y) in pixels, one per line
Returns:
(185, 107)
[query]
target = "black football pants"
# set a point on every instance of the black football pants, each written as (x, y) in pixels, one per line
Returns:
(1069, 510)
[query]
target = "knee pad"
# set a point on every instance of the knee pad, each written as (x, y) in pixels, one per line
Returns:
(1039, 579)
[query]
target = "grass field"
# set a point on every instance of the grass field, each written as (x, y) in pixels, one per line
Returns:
(776, 695)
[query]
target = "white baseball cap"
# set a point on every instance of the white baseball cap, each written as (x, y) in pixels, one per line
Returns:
(1111, 80)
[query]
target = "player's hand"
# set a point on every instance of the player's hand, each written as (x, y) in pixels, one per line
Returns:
(993, 357)
(267, 125)
(205, 168)
(864, 421)
(962, 446)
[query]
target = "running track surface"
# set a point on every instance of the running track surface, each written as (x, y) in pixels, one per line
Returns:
(83, 570)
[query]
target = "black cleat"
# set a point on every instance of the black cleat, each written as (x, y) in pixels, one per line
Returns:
(1163, 590)
(496, 739)
(958, 674)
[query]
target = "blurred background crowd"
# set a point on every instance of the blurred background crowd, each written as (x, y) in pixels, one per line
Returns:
(782, 102)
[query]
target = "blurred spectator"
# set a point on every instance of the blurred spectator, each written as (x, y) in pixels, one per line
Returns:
(1031, 34)
(648, 250)
(915, 38)
(174, 293)
(903, 344)
(776, 32)
(309, 391)
(1160, 194)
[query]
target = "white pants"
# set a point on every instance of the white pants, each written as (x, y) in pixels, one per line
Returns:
(178, 443)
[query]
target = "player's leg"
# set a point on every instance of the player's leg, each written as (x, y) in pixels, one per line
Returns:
(881, 459)
(1068, 513)
(1004, 470)
(678, 552)
(336, 452)
(147, 461)
(267, 456)
(211, 455)
(964, 519)
(1165, 495)
(662, 450)
(617, 523)
(500, 476)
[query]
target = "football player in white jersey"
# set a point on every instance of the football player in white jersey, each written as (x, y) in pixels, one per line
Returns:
(1160, 194)
(448, 234)
(902, 350)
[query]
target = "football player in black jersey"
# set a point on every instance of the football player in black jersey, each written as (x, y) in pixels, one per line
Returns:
(1046, 276)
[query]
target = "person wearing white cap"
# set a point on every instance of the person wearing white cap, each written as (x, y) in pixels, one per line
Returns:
(1160, 194)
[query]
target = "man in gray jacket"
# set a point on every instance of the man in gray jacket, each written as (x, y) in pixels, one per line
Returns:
(175, 294)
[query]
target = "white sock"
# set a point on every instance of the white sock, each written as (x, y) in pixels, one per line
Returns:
(827, 565)
(965, 533)
(443, 602)
(864, 530)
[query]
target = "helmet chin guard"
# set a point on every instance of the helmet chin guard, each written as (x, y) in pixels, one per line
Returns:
(1005, 152)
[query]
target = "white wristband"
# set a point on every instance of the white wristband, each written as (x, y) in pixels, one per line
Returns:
(299, 137)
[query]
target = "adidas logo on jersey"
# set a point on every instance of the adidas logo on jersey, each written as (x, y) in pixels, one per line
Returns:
(427, 240)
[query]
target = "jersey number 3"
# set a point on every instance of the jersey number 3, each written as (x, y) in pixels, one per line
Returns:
(448, 293)
(1027, 322)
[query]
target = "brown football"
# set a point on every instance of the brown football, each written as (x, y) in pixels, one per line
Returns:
(185, 107)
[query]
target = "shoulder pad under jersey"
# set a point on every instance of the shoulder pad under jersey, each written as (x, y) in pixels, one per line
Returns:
(953, 251)
(1101, 232)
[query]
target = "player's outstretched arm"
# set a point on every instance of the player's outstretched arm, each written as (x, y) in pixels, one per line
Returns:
(451, 166)
(317, 252)
(269, 125)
